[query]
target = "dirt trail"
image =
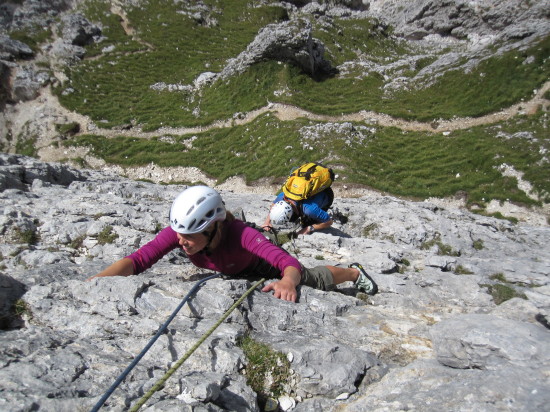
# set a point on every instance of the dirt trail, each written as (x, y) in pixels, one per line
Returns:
(283, 112)
(287, 112)
(118, 8)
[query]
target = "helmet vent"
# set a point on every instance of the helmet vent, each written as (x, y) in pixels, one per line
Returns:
(190, 210)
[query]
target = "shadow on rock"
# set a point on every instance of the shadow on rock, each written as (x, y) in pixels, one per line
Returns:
(12, 307)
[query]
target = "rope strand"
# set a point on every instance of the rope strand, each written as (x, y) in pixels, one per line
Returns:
(175, 367)
(161, 330)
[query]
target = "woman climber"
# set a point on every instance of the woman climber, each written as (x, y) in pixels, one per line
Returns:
(214, 239)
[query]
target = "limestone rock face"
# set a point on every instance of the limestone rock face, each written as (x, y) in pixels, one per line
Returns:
(432, 339)
(462, 19)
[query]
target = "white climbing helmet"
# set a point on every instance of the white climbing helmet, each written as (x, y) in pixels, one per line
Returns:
(281, 212)
(195, 208)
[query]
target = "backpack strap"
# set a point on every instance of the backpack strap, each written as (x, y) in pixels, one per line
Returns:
(330, 194)
(307, 174)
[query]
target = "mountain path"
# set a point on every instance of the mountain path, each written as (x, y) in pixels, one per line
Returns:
(285, 112)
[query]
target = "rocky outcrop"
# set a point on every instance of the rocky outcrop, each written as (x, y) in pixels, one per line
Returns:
(502, 19)
(10, 51)
(13, 49)
(17, 174)
(78, 30)
(433, 338)
(31, 14)
(23, 82)
(288, 42)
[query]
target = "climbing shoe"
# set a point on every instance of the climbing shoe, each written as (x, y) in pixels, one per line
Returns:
(364, 282)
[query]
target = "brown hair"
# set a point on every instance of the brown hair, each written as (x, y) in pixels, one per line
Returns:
(218, 228)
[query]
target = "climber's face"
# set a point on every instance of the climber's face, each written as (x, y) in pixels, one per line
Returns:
(192, 243)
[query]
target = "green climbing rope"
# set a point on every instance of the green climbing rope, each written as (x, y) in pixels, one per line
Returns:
(175, 367)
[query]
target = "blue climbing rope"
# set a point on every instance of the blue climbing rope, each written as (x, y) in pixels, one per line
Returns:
(100, 403)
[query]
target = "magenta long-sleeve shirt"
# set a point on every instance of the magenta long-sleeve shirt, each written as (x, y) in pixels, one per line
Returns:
(241, 248)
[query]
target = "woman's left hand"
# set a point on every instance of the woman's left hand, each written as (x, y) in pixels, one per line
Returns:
(282, 290)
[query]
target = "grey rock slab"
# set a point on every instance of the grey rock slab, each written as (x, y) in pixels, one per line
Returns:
(487, 342)
(348, 349)
(429, 386)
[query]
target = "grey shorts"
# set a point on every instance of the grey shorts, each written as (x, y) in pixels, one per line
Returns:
(319, 277)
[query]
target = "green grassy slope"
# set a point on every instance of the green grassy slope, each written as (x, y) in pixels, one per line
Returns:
(113, 88)
(403, 163)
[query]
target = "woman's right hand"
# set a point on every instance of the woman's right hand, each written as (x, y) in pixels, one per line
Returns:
(122, 267)
(285, 288)
(282, 289)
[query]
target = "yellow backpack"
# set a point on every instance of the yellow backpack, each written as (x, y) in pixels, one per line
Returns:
(308, 180)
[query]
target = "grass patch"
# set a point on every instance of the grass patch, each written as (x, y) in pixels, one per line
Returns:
(497, 215)
(283, 238)
(485, 89)
(157, 54)
(354, 37)
(106, 236)
(77, 242)
(442, 248)
(26, 146)
(498, 277)
(247, 151)
(21, 308)
(494, 84)
(503, 291)
(32, 37)
(478, 244)
(461, 270)
(67, 128)
(267, 371)
(26, 236)
(423, 165)
(402, 265)
(369, 229)
(13, 318)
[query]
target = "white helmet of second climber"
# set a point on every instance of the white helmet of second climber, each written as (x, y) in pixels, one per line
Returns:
(280, 213)
(195, 208)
